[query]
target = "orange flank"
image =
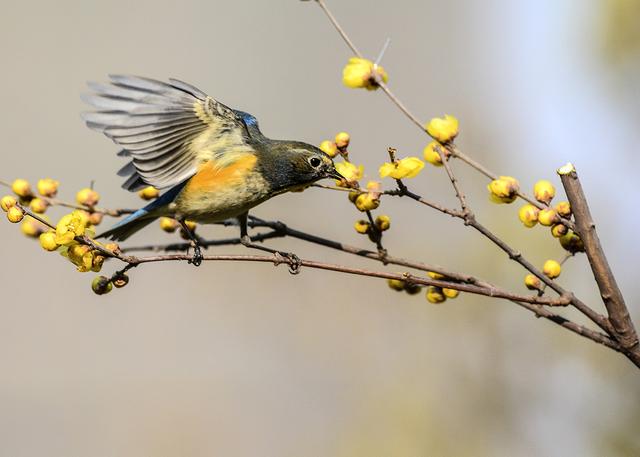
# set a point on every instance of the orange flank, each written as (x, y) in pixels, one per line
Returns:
(210, 177)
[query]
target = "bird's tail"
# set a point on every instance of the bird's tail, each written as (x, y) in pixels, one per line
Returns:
(143, 217)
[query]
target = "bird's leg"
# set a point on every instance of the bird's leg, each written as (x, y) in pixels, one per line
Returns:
(196, 260)
(245, 239)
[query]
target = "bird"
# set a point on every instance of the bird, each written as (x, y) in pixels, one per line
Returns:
(212, 162)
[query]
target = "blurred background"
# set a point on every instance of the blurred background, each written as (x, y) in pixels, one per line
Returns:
(246, 360)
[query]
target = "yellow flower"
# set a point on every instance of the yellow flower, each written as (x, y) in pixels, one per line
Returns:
(552, 269)
(38, 205)
(97, 262)
(329, 148)
(15, 214)
(360, 73)
(435, 295)
(70, 226)
(7, 202)
(528, 215)
(563, 209)
(532, 282)
(81, 256)
(362, 226)
(443, 129)
(396, 284)
(22, 188)
(32, 227)
(342, 140)
(383, 222)
(351, 172)
(450, 293)
(95, 218)
(148, 193)
(434, 275)
(544, 191)
(48, 241)
(504, 189)
(168, 224)
(87, 197)
(367, 202)
(559, 230)
(403, 168)
(191, 225)
(548, 217)
(48, 187)
(431, 154)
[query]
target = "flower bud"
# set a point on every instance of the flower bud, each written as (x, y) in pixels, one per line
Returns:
(32, 228)
(435, 295)
(38, 205)
(95, 218)
(528, 215)
(97, 262)
(341, 140)
(395, 284)
(87, 197)
(434, 275)
(383, 222)
(558, 230)
(48, 241)
(431, 154)
(22, 188)
(120, 280)
(572, 242)
(548, 217)
(532, 282)
(15, 214)
(412, 289)
(443, 129)
(47, 187)
(362, 226)
(551, 269)
(7, 202)
(544, 191)
(450, 293)
(148, 193)
(101, 285)
(113, 247)
(504, 189)
(191, 225)
(563, 209)
(365, 202)
(168, 224)
(353, 195)
(329, 148)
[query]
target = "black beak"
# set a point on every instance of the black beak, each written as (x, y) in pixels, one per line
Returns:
(333, 173)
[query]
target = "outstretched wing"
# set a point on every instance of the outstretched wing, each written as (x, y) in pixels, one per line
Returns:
(167, 129)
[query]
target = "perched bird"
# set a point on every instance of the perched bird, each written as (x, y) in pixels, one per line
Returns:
(213, 161)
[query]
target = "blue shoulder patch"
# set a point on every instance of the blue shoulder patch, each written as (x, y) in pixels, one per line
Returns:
(247, 118)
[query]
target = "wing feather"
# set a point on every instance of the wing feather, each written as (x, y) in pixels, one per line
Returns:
(167, 129)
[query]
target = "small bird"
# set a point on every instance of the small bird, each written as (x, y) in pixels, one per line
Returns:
(213, 161)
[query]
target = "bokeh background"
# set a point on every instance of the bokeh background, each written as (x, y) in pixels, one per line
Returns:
(246, 360)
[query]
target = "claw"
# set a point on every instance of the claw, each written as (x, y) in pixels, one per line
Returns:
(197, 258)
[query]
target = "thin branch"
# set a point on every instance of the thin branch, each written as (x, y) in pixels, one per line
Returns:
(340, 30)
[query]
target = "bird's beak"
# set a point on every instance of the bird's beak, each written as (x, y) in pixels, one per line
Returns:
(333, 173)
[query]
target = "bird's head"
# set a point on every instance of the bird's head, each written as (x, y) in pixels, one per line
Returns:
(293, 164)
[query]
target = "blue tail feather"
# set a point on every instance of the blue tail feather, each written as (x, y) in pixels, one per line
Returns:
(142, 217)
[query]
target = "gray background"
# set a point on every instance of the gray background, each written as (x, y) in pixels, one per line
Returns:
(245, 360)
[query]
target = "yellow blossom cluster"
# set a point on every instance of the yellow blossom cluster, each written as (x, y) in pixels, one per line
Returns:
(338, 145)
(504, 189)
(363, 73)
(433, 295)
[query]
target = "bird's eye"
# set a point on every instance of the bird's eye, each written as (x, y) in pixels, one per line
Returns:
(315, 162)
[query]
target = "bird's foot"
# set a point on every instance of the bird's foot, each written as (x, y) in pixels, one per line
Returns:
(197, 258)
(289, 258)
